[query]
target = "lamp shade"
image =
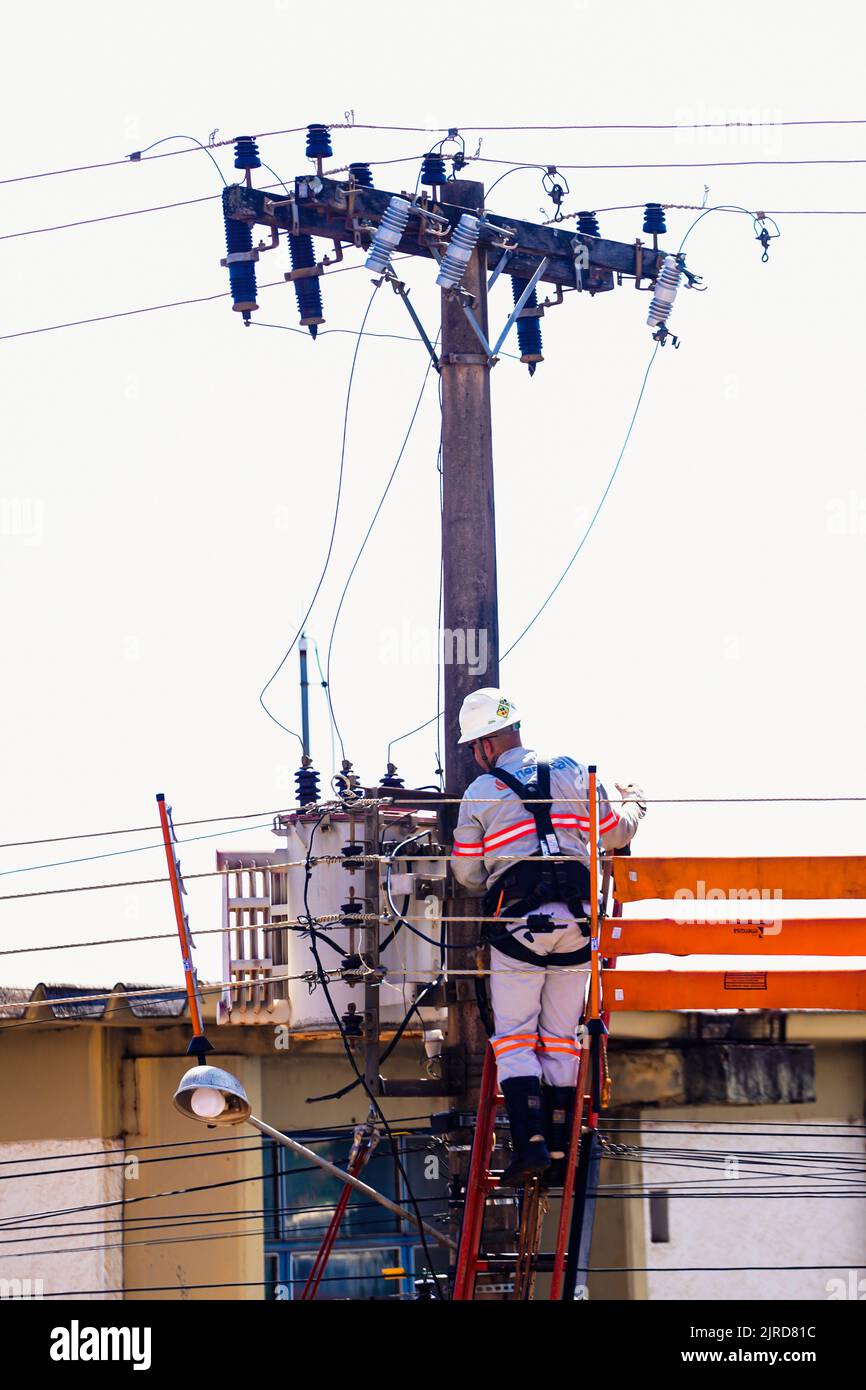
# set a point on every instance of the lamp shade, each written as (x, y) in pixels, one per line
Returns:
(212, 1096)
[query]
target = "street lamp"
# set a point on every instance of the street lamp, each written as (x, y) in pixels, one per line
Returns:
(215, 1097)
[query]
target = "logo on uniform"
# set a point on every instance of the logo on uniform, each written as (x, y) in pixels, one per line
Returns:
(503, 709)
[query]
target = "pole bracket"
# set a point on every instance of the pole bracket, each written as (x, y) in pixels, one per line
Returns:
(464, 359)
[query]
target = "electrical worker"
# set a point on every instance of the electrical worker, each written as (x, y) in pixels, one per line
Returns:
(503, 848)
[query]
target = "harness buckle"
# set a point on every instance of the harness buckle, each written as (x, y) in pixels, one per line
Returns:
(542, 923)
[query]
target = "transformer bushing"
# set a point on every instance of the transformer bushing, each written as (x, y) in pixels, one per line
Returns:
(307, 289)
(242, 274)
(319, 142)
(528, 329)
(587, 224)
(247, 153)
(362, 174)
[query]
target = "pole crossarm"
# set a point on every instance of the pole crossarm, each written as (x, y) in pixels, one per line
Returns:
(347, 214)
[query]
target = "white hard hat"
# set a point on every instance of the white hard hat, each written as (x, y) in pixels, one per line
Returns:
(485, 712)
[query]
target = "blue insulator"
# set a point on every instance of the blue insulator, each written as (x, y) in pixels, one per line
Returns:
(242, 274)
(307, 290)
(654, 219)
(433, 170)
(247, 153)
(391, 779)
(587, 222)
(528, 330)
(307, 780)
(318, 142)
(362, 174)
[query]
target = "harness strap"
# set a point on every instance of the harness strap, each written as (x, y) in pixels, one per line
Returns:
(507, 945)
(538, 793)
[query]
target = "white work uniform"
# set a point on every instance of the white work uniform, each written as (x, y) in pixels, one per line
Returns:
(536, 1009)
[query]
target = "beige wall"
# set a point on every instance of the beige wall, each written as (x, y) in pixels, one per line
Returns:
(76, 1087)
(79, 1253)
(173, 1252)
(731, 1230)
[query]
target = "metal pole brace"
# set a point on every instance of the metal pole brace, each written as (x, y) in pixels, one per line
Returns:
(308, 272)
(512, 318)
(399, 288)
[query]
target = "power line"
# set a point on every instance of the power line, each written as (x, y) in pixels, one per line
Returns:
(311, 1134)
(143, 156)
(362, 547)
(683, 164)
(108, 217)
(334, 523)
(133, 849)
(594, 518)
(155, 308)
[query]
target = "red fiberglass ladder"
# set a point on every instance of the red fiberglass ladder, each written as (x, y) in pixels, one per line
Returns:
(574, 1227)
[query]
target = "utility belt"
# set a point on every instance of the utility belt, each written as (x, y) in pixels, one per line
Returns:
(524, 888)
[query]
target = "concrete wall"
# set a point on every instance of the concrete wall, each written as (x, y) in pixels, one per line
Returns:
(79, 1253)
(736, 1229)
(178, 1238)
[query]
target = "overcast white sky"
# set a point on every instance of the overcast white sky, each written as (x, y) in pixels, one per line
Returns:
(168, 479)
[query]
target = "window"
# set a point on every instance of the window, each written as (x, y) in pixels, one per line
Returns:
(299, 1202)
(660, 1230)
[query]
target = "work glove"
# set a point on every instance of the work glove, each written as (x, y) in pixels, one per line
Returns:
(632, 792)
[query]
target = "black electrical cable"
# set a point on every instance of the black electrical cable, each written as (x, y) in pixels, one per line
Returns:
(363, 545)
(441, 945)
(414, 1007)
(336, 518)
(410, 839)
(403, 910)
(374, 1101)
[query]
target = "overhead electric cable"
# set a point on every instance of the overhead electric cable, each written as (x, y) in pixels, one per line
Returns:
(334, 523)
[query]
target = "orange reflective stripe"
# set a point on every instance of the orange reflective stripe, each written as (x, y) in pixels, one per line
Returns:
(520, 1038)
(513, 1047)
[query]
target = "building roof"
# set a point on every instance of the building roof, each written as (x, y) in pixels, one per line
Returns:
(92, 1001)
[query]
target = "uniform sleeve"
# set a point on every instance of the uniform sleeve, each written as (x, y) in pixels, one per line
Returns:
(616, 828)
(467, 858)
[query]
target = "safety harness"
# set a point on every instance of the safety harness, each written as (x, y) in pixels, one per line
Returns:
(525, 886)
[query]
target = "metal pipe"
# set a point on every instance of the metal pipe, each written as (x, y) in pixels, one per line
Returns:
(305, 698)
(342, 1176)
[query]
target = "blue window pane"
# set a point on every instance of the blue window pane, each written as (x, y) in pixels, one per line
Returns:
(350, 1274)
(308, 1198)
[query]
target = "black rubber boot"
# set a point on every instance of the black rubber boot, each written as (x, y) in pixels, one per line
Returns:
(526, 1117)
(558, 1103)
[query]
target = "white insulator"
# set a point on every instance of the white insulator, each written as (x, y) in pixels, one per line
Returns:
(664, 291)
(460, 248)
(434, 1041)
(388, 235)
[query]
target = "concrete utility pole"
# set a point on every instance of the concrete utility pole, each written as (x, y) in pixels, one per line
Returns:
(469, 530)
(470, 599)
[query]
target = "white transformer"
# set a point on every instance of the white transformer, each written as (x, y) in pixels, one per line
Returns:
(264, 957)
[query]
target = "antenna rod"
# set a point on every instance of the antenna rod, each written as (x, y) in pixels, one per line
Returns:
(305, 697)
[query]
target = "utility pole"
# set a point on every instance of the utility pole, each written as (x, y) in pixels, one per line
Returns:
(354, 213)
(470, 603)
(468, 525)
